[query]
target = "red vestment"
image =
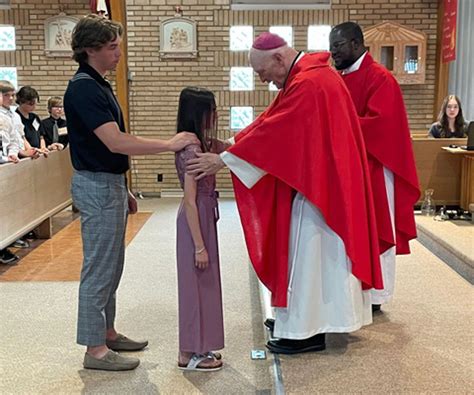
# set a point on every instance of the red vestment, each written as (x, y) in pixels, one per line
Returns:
(379, 103)
(308, 140)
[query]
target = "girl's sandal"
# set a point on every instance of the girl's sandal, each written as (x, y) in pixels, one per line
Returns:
(216, 355)
(195, 360)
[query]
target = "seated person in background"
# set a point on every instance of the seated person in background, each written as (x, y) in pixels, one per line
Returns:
(8, 95)
(8, 145)
(450, 122)
(8, 153)
(26, 98)
(52, 127)
(9, 148)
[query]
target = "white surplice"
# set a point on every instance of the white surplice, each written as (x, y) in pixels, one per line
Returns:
(387, 259)
(323, 294)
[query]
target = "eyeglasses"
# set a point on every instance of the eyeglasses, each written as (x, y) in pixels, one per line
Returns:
(452, 106)
(338, 44)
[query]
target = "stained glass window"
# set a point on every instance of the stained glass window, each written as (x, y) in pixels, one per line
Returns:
(318, 37)
(241, 38)
(9, 74)
(7, 38)
(241, 79)
(240, 117)
(285, 32)
(272, 87)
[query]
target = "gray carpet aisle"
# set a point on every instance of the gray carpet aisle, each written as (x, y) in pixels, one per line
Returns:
(422, 343)
(37, 322)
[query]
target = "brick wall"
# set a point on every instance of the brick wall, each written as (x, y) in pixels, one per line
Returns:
(156, 83)
(48, 75)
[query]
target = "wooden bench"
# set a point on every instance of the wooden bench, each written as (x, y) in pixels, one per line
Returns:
(438, 169)
(32, 191)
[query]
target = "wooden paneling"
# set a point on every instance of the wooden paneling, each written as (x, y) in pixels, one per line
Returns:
(33, 191)
(119, 14)
(467, 182)
(438, 169)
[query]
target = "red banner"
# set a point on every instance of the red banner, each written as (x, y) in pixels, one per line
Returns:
(448, 49)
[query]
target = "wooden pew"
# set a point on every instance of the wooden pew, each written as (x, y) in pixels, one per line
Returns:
(438, 169)
(31, 192)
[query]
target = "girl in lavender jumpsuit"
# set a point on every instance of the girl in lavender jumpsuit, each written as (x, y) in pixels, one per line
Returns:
(199, 286)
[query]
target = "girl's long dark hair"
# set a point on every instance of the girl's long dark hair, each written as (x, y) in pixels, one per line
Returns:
(459, 123)
(196, 106)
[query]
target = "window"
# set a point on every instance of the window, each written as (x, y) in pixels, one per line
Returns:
(9, 74)
(241, 38)
(240, 117)
(280, 4)
(7, 38)
(285, 32)
(4, 3)
(241, 79)
(272, 87)
(318, 37)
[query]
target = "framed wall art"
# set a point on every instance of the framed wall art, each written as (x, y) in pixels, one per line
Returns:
(178, 38)
(57, 35)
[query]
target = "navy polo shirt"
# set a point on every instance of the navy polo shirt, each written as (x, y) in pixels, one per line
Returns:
(89, 102)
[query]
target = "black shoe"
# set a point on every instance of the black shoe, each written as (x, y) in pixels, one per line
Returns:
(289, 346)
(21, 244)
(31, 236)
(376, 308)
(7, 257)
(269, 323)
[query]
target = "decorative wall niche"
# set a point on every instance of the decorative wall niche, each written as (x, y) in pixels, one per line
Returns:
(401, 49)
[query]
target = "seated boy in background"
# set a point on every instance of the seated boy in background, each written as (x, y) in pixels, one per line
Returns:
(27, 98)
(8, 153)
(53, 128)
(8, 96)
(8, 145)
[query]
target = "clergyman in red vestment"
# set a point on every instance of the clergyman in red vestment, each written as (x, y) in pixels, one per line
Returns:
(302, 188)
(383, 119)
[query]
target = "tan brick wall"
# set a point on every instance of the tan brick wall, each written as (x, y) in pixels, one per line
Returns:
(48, 75)
(156, 83)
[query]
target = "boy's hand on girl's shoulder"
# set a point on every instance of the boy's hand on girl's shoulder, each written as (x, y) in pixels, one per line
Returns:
(181, 140)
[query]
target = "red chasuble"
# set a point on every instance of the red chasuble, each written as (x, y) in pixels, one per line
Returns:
(379, 103)
(308, 140)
